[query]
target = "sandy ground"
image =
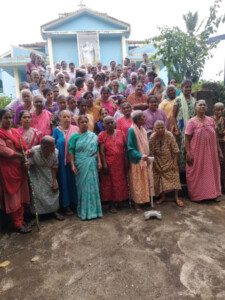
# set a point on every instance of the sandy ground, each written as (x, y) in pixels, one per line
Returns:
(121, 256)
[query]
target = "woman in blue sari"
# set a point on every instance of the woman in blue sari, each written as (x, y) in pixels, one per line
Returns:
(85, 162)
(66, 177)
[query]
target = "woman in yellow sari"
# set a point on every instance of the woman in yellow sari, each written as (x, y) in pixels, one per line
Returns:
(167, 105)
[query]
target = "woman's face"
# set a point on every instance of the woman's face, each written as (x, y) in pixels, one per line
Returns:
(89, 100)
(90, 85)
(65, 118)
(157, 82)
(141, 121)
(186, 90)
(103, 114)
(160, 130)
(25, 120)
(6, 121)
(133, 80)
(124, 100)
(109, 124)
(50, 96)
(82, 107)
(38, 103)
(27, 98)
(73, 92)
(62, 104)
(115, 87)
(41, 75)
(171, 93)
(126, 110)
(35, 77)
(55, 93)
(153, 104)
(219, 111)
(72, 104)
(105, 95)
(200, 107)
(43, 84)
(98, 81)
(173, 82)
(83, 125)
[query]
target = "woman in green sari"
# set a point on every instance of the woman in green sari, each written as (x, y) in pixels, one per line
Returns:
(183, 111)
(85, 162)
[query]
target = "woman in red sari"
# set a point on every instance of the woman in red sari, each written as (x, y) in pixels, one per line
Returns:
(126, 121)
(14, 190)
(113, 185)
(41, 117)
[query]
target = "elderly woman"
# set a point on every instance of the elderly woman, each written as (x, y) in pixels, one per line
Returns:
(106, 102)
(66, 178)
(90, 88)
(164, 148)
(125, 122)
(118, 113)
(62, 104)
(113, 185)
(41, 117)
(42, 86)
(183, 110)
(85, 161)
(220, 133)
(80, 87)
(14, 190)
(138, 100)
(72, 105)
(115, 94)
(158, 89)
(27, 105)
(152, 114)
(131, 87)
(35, 77)
(174, 83)
(167, 105)
(31, 136)
(98, 84)
(138, 152)
(202, 148)
(44, 166)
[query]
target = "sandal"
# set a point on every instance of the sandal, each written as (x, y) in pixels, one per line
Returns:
(58, 216)
(180, 203)
(138, 209)
(23, 229)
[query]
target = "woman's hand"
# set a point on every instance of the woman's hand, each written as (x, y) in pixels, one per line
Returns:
(145, 158)
(74, 169)
(26, 165)
(105, 169)
(190, 159)
(55, 186)
(99, 166)
(176, 132)
(29, 153)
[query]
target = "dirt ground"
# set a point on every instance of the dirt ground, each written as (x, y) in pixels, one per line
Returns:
(120, 256)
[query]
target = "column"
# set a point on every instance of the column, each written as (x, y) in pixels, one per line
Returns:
(17, 81)
(124, 50)
(50, 53)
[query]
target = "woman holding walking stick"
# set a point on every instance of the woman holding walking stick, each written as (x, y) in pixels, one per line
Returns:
(14, 190)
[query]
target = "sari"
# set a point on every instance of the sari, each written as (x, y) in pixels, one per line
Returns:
(139, 179)
(85, 147)
(42, 122)
(31, 136)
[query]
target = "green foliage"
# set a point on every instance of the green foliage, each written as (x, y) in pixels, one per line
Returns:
(183, 54)
(191, 20)
(4, 100)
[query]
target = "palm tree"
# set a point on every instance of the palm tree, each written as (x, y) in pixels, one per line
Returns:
(191, 21)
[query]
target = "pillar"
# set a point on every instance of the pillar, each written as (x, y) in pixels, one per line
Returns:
(17, 82)
(124, 50)
(50, 53)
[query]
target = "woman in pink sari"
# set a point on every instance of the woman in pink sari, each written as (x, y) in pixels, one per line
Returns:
(31, 136)
(202, 149)
(41, 117)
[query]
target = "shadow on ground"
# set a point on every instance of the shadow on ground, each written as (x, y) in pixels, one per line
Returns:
(121, 256)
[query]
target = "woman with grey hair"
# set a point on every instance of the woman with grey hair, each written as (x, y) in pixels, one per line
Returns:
(138, 152)
(166, 172)
(43, 170)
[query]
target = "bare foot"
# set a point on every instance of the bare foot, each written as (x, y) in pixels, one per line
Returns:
(161, 200)
(179, 203)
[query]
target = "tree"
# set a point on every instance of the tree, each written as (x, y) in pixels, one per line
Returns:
(185, 54)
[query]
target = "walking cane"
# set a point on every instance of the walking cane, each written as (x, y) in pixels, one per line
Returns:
(31, 186)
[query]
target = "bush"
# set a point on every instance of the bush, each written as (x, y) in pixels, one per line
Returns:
(4, 100)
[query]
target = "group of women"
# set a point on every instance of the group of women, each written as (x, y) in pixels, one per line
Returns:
(103, 148)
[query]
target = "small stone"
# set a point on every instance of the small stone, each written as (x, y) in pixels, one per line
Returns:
(35, 258)
(4, 264)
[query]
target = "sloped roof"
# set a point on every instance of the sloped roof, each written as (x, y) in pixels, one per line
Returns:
(80, 11)
(34, 45)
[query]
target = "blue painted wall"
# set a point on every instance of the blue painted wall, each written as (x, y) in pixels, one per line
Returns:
(65, 49)
(8, 84)
(110, 49)
(19, 52)
(85, 21)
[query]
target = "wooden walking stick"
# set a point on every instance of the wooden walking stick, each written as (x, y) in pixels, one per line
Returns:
(31, 186)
